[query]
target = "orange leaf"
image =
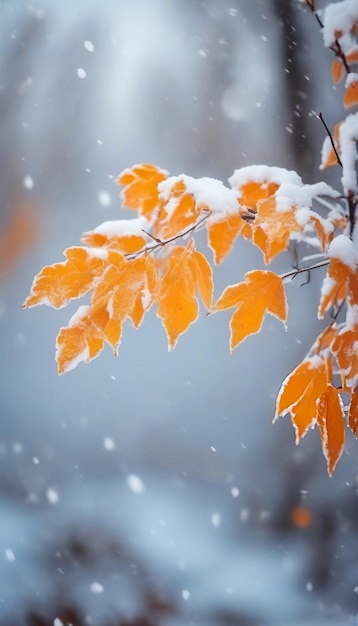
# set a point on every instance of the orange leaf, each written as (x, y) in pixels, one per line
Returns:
(222, 234)
(337, 71)
(177, 213)
(203, 275)
(126, 236)
(350, 98)
(353, 413)
(345, 349)
(324, 229)
(272, 228)
(127, 290)
(330, 420)
(251, 192)
(301, 516)
(334, 286)
(80, 341)
(177, 304)
(299, 394)
(56, 284)
(18, 236)
(261, 293)
(140, 191)
(324, 339)
(353, 289)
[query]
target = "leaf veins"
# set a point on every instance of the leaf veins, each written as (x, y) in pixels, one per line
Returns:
(261, 293)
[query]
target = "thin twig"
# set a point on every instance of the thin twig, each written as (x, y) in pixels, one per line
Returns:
(331, 139)
(301, 270)
(310, 4)
(160, 244)
(352, 205)
(336, 47)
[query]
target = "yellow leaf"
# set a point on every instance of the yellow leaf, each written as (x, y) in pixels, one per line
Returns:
(56, 284)
(261, 293)
(330, 420)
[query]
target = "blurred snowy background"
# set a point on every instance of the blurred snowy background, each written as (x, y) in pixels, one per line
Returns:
(152, 489)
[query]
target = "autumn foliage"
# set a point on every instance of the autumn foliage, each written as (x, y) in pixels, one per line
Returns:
(125, 267)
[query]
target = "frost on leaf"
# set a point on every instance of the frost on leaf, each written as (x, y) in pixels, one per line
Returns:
(261, 293)
(353, 413)
(330, 420)
(79, 341)
(345, 349)
(56, 284)
(340, 274)
(187, 273)
(140, 191)
(222, 235)
(126, 290)
(126, 236)
(273, 228)
(350, 97)
(300, 392)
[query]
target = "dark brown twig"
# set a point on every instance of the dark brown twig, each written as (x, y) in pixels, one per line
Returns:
(336, 47)
(301, 270)
(331, 139)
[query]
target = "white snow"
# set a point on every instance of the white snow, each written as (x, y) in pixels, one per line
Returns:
(81, 73)
(302, 196)
(96, 587)
(52, 495)
(348, 136)
(121, 228)
(89, 45)
(216, 519)
(342, 248)
(9, 555)
(351, 78)
(28, 182)
(208, 192)
(135, 484)
(104, 198)
(235, 492)
(109, 443)
(339, 19)
(57, 622)
(185, 594)
(263, 174)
